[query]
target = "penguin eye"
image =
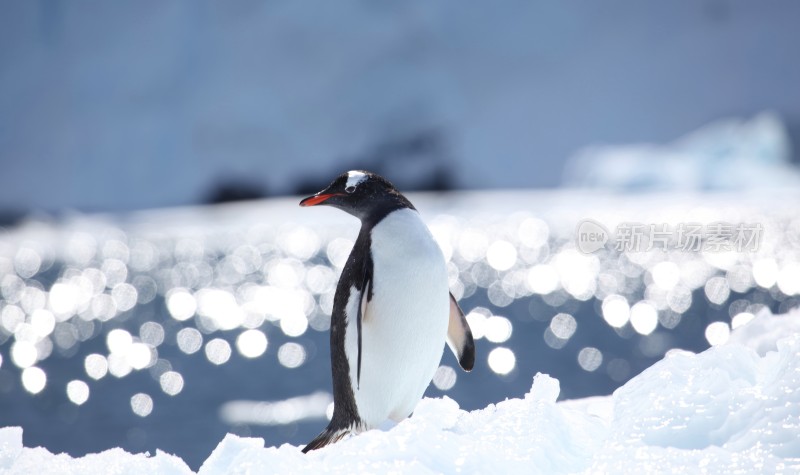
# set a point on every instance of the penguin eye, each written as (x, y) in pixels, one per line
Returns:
(350, 189)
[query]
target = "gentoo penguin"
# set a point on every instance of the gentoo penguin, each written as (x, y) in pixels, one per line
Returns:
(392, 311)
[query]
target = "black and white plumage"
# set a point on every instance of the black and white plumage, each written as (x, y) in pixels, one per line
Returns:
(392, 309)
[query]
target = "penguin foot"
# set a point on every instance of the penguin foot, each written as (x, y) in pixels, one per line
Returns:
(327, 437)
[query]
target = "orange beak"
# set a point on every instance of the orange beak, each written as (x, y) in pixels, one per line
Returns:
(317, 199)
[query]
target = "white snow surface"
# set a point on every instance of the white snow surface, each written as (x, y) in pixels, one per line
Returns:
(734, 408)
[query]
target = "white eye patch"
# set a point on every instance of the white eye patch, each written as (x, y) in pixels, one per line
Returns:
(354, 178)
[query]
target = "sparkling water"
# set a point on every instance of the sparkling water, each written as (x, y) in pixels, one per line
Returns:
(167, 329)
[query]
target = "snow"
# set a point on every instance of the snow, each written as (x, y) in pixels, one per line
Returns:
(14, 458)
(729, 154)
(732, 408)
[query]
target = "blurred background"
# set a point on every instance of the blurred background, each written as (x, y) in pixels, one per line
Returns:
(138, 310)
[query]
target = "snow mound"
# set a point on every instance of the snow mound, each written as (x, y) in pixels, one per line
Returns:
(763, 333)
(732, 408)
(16, 459)
(729, 154)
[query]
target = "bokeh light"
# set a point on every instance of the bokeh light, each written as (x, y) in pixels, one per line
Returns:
(291, 354)
(190, 340)
(218, 351)
(444, 378)
(542, 279)
(140, 355)
(96, 366)
(294, 324)
(141, 404)
(741, 318)
(590, 358)
(501, 255)
(644, 318)
(24, 354)
(181, 304)
(666, 274)
(151, 333)
(717, 333)
(616, 311)
(34, 379)
(171, 382)
(502, 360)
(563, 326)
(119, 341)
(765, 272)
(27, 262)
(497, 329)
(78, 391)
(717, 290)
(251, 343)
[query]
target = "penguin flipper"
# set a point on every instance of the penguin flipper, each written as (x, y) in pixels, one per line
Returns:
(327, 437)
(459, 336)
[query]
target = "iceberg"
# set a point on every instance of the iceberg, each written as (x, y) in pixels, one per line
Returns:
(729, 154)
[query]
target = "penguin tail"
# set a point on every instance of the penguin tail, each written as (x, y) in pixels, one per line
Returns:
(328, 436)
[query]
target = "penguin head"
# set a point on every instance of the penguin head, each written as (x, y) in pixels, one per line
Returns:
(361, 193)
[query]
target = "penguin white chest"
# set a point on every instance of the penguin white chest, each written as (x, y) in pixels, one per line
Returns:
(404, 325)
